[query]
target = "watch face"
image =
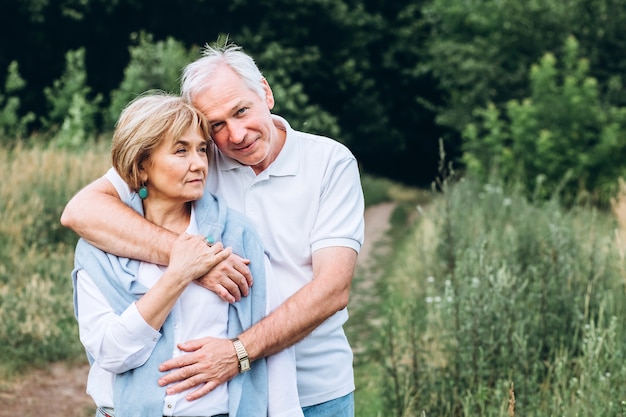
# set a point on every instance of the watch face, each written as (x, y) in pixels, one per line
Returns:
(245, 365)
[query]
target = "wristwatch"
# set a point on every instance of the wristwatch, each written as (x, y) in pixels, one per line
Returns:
(242, 355)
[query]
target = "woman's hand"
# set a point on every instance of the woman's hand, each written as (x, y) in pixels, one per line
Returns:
(192, 257)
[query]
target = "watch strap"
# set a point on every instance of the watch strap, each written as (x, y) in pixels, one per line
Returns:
(242, 355)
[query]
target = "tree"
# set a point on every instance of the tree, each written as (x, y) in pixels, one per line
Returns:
(71, 118)
(153, 65)
(12, 124)
(563, 131)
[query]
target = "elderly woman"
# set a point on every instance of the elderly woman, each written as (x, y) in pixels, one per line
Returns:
(132, 314)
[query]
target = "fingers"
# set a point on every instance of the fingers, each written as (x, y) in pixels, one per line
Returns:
(220, 253)
(211, 364)
(203, 390)
(224, 294)
(204, 381)
(193, 345)
(230, 280)
(230, 290)
(244, 279)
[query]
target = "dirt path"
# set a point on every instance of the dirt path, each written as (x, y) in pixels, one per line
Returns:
(60, 389)
(364, 295)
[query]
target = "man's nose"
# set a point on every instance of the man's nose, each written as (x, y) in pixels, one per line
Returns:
(236, 131)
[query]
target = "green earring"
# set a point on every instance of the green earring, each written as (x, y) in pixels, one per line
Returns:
(143, 192)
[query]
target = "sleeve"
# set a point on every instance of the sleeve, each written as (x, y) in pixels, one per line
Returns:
(120, 185)
(340, 219)
(117, 343)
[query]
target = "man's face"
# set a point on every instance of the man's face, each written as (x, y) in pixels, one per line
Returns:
(240, 120)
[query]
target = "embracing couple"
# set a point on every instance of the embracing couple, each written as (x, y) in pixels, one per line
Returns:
(216, 255)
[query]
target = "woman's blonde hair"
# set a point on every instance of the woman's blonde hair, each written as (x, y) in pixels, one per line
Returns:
(146, 121)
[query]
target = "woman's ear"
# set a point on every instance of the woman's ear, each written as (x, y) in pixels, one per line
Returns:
(143, 175)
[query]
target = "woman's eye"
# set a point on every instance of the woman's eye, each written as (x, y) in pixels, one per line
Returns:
(181, 150)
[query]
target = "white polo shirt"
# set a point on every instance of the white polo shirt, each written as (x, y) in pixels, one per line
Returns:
(309, 198)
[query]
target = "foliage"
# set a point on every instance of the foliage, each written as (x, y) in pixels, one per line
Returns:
(493, 296)
(72, 115)
(12, 124)
(563, 130)
(389, 79)
(153, 65)
(481, 51)
(358, 63)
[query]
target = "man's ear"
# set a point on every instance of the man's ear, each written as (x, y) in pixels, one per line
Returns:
(269, 96)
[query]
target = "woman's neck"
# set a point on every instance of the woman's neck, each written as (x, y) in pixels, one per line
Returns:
(173, 217)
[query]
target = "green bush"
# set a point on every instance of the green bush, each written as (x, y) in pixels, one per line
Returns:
(13, 125)
(564, 133)
(152, 66)
(72, 117)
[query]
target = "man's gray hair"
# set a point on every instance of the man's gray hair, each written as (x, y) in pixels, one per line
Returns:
(198, 75)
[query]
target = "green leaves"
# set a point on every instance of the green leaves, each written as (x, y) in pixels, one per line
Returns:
(13, 125)
(563, 129)
(152, 65)
(71, 119)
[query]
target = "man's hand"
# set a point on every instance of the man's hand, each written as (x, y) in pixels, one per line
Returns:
(211, 362)
(230, 279)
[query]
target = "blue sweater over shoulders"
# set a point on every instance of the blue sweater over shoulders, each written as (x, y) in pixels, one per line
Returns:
(136, 392)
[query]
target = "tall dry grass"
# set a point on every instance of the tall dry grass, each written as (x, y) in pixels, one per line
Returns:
(36, 252)
(496, 305)
(618, 204)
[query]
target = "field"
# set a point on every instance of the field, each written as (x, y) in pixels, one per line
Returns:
(487, 302)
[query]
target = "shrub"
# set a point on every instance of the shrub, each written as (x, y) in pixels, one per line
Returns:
(12, 124)
(564, 133)
(153, 65)
(71, 119)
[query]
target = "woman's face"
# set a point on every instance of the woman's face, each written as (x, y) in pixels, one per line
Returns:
(177, 170)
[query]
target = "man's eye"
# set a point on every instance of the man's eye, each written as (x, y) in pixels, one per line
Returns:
(242, 110)
(217, 126)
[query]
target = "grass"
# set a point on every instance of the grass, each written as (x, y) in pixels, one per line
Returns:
(36, 253)
(486, 296)
(497, 305)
